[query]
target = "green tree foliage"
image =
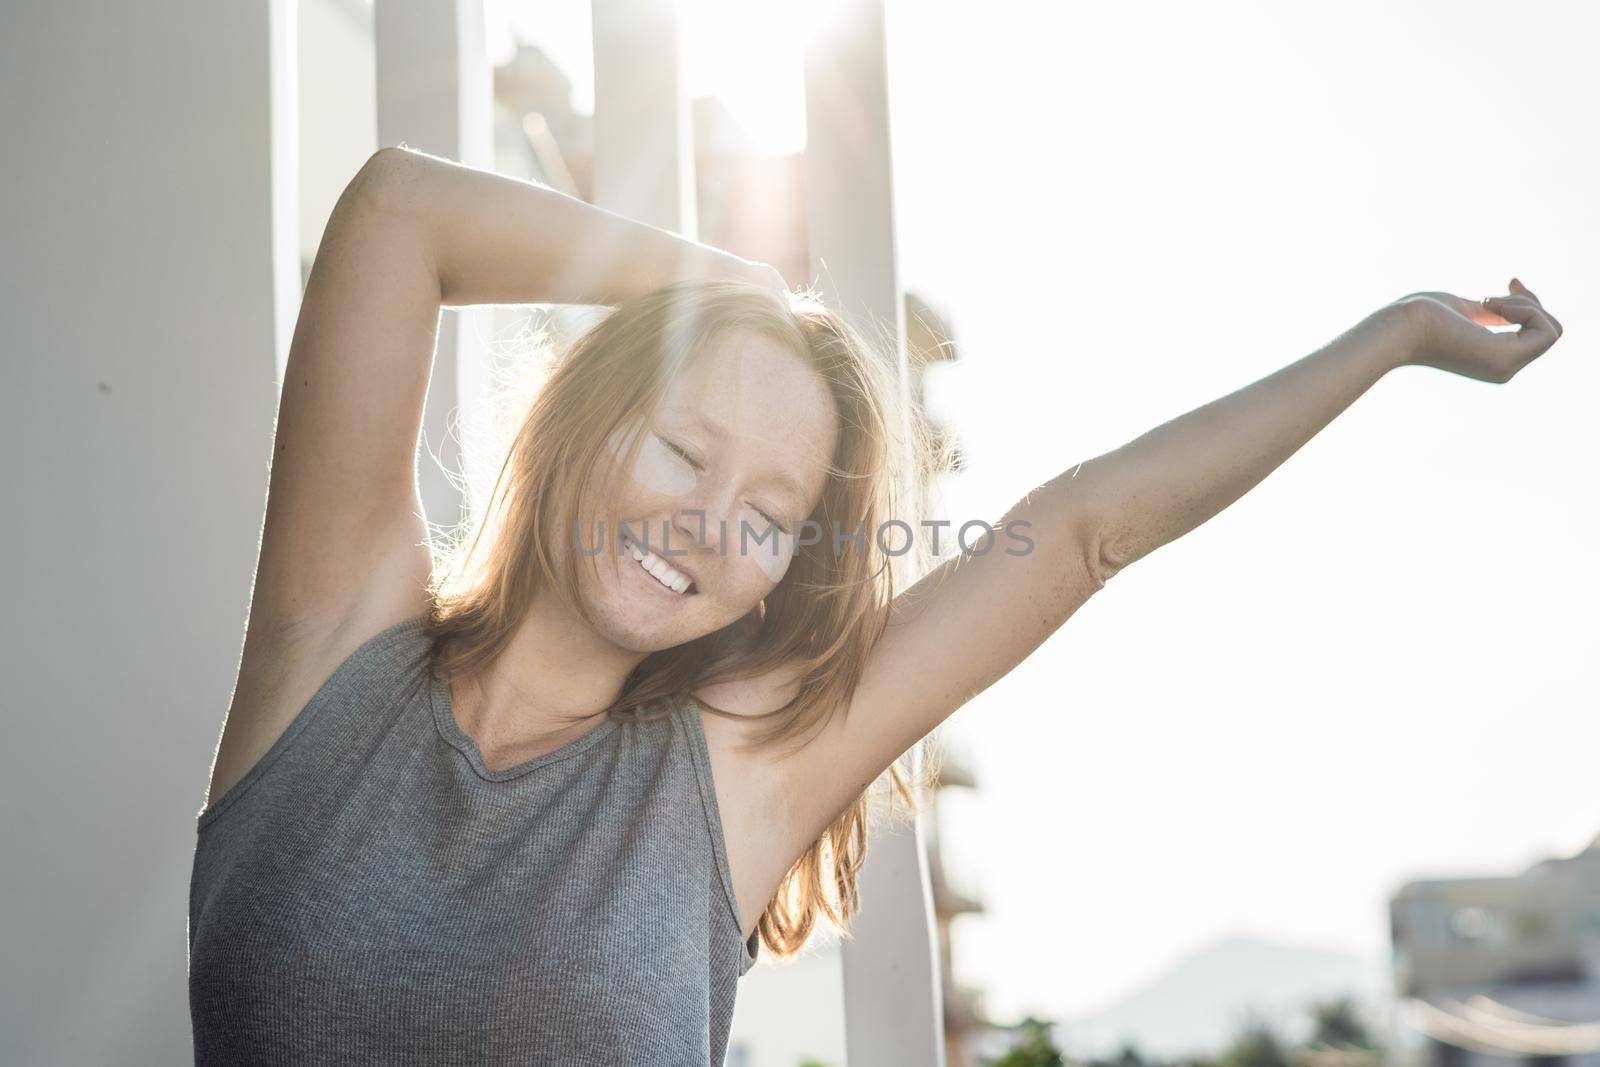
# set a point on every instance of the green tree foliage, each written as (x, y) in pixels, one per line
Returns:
(1335, 1023)
(1130, 1056)
(1338, 1023)
(1034, 1048)
(1256, 1045)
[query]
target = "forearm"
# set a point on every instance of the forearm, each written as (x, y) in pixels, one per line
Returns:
(1160, 486)
(499, 240)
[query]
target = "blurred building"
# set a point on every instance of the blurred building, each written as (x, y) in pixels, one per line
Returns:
(964, 1019)
(1504, 966)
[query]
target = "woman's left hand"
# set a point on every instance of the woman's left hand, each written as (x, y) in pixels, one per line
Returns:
(1450, 332)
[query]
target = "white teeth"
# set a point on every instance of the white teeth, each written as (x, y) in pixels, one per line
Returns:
(657, 567)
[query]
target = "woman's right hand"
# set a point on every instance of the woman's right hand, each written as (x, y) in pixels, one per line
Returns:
(1451, 333)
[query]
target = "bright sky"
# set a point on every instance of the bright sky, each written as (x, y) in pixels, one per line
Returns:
(1377, 666)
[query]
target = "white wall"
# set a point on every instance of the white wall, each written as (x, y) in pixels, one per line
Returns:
(137, 297)
(338, 107)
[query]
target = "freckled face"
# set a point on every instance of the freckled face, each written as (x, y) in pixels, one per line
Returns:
(729, 465)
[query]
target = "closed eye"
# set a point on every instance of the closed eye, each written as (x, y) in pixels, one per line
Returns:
(680, 453)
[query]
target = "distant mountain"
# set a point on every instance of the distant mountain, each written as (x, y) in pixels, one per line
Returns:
(1198, 1004)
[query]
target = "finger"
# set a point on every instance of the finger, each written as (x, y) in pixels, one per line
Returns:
(1516, 309)
(1522, 290)
(1538, 332)
(1518, 289)
(1493, 303)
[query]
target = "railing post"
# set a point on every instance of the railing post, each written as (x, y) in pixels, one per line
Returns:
(435, 94)
(893, 1010)
(643, 131)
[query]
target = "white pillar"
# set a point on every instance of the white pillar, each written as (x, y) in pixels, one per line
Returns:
(893, 1003)
(643, 129)
(148, 283)
(435, 93)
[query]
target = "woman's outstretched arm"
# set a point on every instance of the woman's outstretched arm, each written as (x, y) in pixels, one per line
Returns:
(500, 240)
(975, 617)
(1164, 484)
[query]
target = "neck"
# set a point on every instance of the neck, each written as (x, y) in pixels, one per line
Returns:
(553, 682)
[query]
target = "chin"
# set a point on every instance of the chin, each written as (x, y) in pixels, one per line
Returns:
(630, 624)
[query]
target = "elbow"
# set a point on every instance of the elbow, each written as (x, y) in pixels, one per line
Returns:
(389, 164)
(380, 186)
(1103, 554)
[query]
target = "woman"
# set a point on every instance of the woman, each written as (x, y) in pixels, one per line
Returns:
(473, 809)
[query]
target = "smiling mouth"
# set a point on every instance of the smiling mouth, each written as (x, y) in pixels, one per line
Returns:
(662, 572)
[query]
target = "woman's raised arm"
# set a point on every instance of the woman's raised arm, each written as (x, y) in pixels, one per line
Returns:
(344, 540)
(976, 616)
(344, 547)
(500, 240)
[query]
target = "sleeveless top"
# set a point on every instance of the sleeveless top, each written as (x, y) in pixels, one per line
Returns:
(370, 892)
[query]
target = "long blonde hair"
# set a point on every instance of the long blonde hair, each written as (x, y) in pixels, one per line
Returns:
(820, 622)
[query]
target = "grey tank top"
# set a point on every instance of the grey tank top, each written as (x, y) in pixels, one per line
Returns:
(370, 892)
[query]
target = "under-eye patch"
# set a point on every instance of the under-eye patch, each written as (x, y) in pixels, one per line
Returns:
(658, 466)
(770, 548)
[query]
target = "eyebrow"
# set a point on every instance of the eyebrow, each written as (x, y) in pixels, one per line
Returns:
(720, 432)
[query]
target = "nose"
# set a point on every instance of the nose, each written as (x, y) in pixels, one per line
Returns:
(693, 530)
(700, 523)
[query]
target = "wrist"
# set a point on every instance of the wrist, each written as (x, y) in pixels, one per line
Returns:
(1395, 333)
